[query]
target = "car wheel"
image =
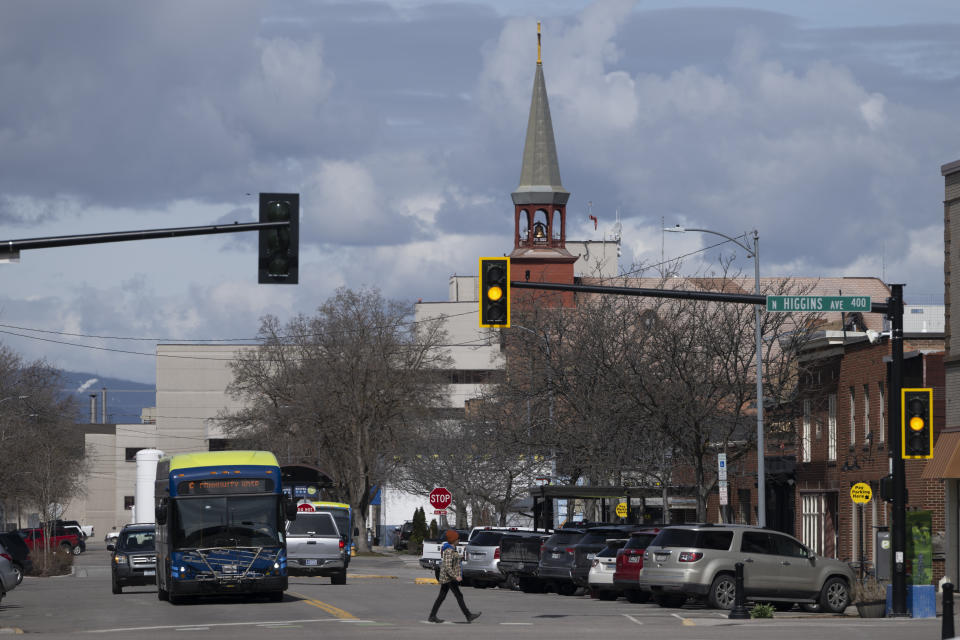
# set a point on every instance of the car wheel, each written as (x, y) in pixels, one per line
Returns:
(65, 547)
(567, 589)
(637, 596)
(77, 550)
(835, 595)
(511, 582)
(116, 586)
(18, 571)
(604, 594)
(337, 578)
(723, 592)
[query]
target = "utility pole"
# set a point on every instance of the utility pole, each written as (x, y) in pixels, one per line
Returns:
(899, 525)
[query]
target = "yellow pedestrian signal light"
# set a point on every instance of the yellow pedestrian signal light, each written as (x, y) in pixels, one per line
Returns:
(494, 292)
(916, 428)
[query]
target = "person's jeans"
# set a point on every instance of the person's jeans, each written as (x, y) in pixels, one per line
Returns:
(449, 586)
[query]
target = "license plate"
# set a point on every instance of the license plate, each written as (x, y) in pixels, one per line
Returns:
(311, 562)
(591, 556)
(229, 568)
(150, 573)
(634, 559)
(555, 555)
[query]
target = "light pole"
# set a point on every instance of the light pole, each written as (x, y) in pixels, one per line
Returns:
(755, 254)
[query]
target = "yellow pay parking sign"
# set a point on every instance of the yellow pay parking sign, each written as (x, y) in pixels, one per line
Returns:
(861, 493)
(622, 510)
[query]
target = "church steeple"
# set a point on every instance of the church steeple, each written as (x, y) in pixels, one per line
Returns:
(540, 201)
(540, 171)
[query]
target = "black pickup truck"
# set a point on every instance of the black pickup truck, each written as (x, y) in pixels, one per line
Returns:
(520, 560)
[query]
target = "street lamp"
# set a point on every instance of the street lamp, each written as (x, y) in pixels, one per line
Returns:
(755, 254)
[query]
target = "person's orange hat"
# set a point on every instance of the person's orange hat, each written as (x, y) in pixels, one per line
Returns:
(452, 536)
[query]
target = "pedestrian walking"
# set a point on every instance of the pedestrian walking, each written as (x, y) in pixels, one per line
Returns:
(450, 578)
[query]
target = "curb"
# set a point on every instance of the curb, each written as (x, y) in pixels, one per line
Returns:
(425, 581)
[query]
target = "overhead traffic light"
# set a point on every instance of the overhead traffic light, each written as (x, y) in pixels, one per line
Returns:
(916, 408)
(494, 292)
(279, 248)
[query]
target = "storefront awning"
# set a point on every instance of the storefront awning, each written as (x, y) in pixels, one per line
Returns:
(946, 457)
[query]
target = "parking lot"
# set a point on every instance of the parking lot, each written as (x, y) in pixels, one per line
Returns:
(391, 595)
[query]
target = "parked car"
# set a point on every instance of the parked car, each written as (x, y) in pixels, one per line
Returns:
(134, 560)
(315, 546)
(111, 536)
(66, 541)
(481, 560)
(589, 545)
(403, 533)
(626, 577)
(556, 560)
(85, 531)
(20, 553)
(520, 560)
(699, 561)
(8, 576)
(602, 567)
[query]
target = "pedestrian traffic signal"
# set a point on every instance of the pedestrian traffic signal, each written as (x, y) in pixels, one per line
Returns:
(916, 408)
(494, 292)
(279, 247)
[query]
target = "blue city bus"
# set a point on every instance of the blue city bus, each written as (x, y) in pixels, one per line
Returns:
(220, 519)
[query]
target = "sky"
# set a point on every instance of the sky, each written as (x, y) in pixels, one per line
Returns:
(822, 125)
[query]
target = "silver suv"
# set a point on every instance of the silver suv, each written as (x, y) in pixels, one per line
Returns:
(699, 561)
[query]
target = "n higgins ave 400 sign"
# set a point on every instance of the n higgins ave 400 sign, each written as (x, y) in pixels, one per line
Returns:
(440, 499)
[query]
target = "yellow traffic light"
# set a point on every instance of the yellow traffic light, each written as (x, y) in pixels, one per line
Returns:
(494, 292)
(916, 426)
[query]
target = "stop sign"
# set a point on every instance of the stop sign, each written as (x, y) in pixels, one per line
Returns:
(440, 498)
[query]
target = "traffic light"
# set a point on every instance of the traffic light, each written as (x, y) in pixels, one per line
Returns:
(494, 292)
(279, 248)
(916, 408)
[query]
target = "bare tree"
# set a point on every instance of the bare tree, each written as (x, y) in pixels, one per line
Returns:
(340, 389)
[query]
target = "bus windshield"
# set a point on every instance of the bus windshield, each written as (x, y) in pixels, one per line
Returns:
(220, 521)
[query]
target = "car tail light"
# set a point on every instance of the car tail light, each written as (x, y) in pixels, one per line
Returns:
(496, 554)
(689, 556)
(569, 549)
(7, 556)
(342, 545)
(594, 563)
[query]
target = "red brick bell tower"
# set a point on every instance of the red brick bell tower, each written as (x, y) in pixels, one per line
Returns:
(540, 210)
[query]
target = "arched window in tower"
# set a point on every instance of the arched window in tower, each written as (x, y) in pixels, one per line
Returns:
(541, 229)
(524, 227)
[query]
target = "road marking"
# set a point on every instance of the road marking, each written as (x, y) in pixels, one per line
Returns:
(193, 629)
(216, 624)
(687, 622)
(361, 576)
(329, 608)
(632, 619)
(518, 623)
(425, 581)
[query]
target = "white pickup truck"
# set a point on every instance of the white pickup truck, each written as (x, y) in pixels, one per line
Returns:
(430, 558)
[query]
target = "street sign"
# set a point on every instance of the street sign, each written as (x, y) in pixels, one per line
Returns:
(440, 498)
(819, 303)
(305, 507)
(722, 467)
(621, 509)
(861, 493)
(724, 496)
(439, 512)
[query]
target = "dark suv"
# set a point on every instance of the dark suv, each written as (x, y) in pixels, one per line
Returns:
(556, 560)
(134, 560)
(17, 548)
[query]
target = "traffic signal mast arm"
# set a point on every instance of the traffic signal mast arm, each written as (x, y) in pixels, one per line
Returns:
(12, 247)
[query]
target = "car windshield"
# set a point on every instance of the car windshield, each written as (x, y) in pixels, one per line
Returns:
(564, 538)
(639, 541)
(487, 539)
(236, 521)
(704, 539)
(598, 537)
(137, 541)
(342, 518)
(313, 524)
(610, 551)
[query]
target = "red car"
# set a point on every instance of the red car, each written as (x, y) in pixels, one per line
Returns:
(629, 564)
(61, 539)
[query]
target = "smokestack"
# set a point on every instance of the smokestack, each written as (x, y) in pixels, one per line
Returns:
(93, 408)
(103, 405)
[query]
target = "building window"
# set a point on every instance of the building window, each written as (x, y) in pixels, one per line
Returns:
(128, 502)
(866, 412)
(832, 427)
(131, 453)
(883, 409)
(853, 417)
(806, 431)
(812, 505)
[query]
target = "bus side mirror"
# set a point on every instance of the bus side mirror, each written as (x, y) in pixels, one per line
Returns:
(160, 511)
(289, 509)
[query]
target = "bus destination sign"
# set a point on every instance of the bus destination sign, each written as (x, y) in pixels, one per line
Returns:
(218, 486)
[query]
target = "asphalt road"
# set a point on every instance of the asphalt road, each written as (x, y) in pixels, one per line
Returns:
(382, 597)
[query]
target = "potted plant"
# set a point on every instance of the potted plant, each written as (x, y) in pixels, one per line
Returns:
(870, 597)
